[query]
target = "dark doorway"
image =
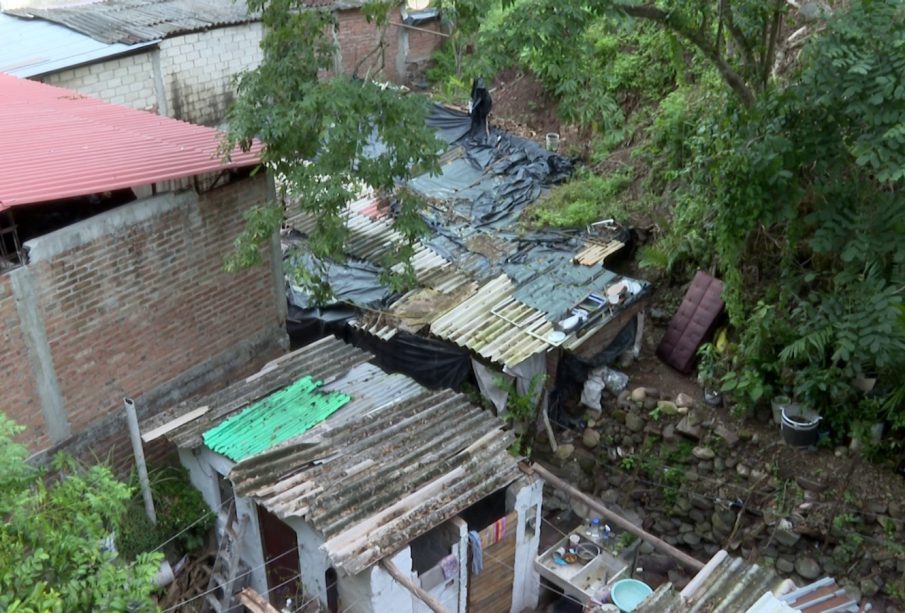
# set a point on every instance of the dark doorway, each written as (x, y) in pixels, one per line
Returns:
(281, 554)
(332, 590)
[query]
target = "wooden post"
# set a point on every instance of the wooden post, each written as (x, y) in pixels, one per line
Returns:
(408, 584)
(254, 602)
(682, 557)
(135, 435)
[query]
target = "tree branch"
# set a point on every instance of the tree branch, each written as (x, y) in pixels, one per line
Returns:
(738, 36)
(730, 76)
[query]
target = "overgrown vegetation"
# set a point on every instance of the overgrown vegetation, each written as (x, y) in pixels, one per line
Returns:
(183, 518)
(55, 537)
(779, 154)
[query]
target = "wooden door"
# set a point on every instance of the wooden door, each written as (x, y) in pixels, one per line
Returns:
(281, 553)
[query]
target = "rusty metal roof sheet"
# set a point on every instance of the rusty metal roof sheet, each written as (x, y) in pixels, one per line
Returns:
(326, 360)
(137, 21)
(60, 144)
(384, 477)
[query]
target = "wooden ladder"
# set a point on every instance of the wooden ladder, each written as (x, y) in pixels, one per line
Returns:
(222, 583)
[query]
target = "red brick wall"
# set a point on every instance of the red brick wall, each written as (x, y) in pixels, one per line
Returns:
(18, 396)
(357, 38)
(132, 310)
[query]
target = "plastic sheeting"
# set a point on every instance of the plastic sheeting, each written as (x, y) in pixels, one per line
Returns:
(353, 282)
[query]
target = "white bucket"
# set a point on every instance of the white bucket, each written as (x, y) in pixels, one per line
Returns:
(552, 141)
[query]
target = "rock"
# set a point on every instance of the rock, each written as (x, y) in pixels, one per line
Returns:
(618, 415)
(743, 470)
(652, 392)
(688, 429)
(682, 410)
(705, 466)
(785, 534)
(667, 408)
(878, 506)
(718, 464)
(564, 452)
(638, 394)
(669, 433)
(808, 567)
(626, 359)
(684, 400)
(695, 417)
(840, 452)
(634, 422)
(590, 438)
(690, 538)
(896, 509)
(609, 496)
(723, 521)
(745, 435)
(623, 396)
(649, 403)
(580, 508)
(685, 527)
(726, 434)
(869, 587)
(785, 565)
(692, 475)
(731, 461)
(678, 579)
(703, 453)
(696, 515)
(645, 548)
(658, 315)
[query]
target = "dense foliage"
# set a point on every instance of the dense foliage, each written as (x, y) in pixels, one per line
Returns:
(183, 518)
(52, 540)
(785, 176)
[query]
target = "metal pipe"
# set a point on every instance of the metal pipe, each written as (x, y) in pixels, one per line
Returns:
(680, 556)
(135, 435)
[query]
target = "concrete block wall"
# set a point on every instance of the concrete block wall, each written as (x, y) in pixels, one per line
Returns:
(135, 302)
(127, 80)
(197, 70)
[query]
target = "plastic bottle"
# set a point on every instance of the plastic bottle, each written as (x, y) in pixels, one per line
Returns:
(596, 534)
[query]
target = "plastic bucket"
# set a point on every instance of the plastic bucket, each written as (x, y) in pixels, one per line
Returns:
(778, 404)
(627, 594)
(552, 141)
(799, 426)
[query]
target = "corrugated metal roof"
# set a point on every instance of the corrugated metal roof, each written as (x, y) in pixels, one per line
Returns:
(137, 21)
(731, 585)
(386, 477)
(495, 325)
(60, 144)
(282, 415)
(326, 360)
(34, 47)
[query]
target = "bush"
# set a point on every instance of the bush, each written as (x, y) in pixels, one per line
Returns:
(178, 506)
(584, 200)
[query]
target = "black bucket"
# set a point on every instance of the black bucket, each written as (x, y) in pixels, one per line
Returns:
(799, 426)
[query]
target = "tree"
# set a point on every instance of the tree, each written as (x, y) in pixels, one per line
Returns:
(52, 556)
(327, 135)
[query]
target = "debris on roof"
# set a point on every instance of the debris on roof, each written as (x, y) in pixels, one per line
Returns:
(138, 21)
(59, 144)
(394, 461)
(34, 47)
(500, 294)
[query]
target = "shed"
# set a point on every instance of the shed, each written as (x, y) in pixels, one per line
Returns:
(339, 465)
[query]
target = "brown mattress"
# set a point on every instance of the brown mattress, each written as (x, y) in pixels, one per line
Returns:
(693, 323)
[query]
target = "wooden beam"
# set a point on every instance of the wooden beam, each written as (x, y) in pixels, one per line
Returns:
(408, 584)
(254, 602)
(173, 424)
(680, 556)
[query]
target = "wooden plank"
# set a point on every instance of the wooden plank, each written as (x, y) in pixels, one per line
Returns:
(254, 602)
(491, 590)
(159, 431)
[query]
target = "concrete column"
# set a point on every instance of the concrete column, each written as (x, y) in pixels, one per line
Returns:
(526, 581)
(35, 334)
(160, 90)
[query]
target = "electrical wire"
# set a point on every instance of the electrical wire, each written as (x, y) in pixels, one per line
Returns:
(245, 574)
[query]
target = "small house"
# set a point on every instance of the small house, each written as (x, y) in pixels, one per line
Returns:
(344, 475)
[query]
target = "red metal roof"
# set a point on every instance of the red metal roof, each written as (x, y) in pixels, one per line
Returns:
(56, 143)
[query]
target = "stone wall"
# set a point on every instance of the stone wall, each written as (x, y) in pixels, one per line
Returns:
(704, 480)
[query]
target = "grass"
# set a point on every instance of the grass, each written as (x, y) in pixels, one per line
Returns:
(582, 201)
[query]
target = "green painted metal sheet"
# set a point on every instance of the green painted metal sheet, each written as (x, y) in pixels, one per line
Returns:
(283, 415)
